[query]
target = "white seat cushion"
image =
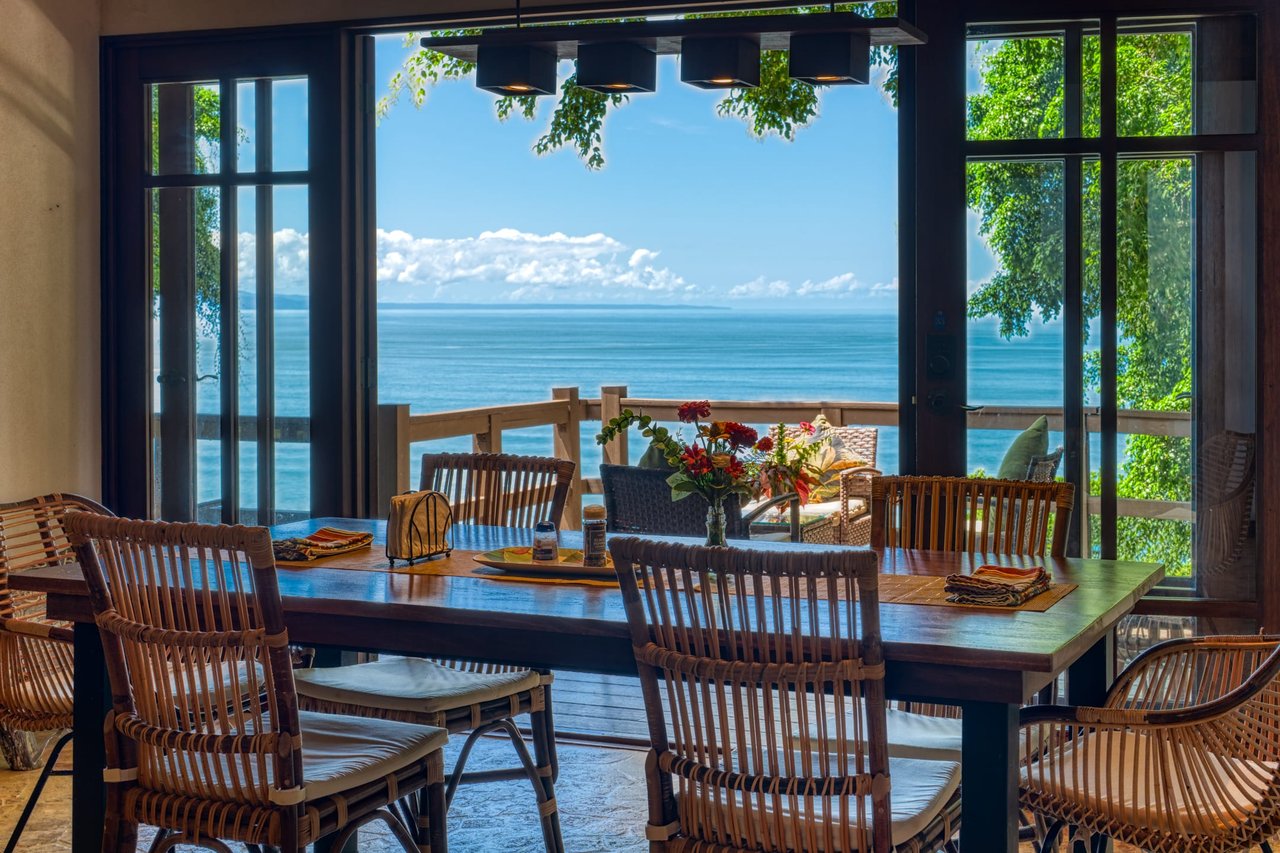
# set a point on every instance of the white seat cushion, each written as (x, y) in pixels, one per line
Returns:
(919, 791)
(410, 684)
(1109, 764)
(340, 753)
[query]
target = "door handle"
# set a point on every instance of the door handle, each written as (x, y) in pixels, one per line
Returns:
(965, 408)
(940, 403)
(171, 379)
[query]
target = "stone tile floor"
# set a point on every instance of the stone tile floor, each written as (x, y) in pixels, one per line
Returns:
(601, 797)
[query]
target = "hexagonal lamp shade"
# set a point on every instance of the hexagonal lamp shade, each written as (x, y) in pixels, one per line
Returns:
(515, 69)
(615, 68)
(731, 62)
(830, 59)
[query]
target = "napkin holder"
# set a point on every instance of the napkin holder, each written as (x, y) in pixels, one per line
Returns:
(418, 526)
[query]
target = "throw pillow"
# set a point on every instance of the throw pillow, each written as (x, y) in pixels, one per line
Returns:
(653, 458)
(1034, 441)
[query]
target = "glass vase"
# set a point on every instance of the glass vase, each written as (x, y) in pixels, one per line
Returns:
(716, 524)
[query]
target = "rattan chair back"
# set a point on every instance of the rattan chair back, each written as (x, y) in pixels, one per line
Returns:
(204, 720)
(1184, 757)
(1225, 477)
(772, 672)
(861, 443)
(972, 515)
(638, 500)
(498, 488)
(35, 654)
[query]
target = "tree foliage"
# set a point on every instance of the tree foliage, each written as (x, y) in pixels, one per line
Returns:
(1020, 209)
(778, 106)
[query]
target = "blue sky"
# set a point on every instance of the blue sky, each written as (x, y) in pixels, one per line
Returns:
(689, 208)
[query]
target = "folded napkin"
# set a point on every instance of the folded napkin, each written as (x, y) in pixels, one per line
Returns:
(325, 542)
(997, 586)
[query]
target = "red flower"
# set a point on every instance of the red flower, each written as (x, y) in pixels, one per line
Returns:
(765, 444)
(736, 469)
(806, 428)
(740, 435)
(695, 460)
(690, 412)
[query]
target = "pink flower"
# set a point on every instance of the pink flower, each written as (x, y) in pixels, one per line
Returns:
(807, 428)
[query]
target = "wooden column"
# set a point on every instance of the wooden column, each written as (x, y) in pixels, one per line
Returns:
(615, 452)
(568, 445)
(393, 453)
(1269, 322)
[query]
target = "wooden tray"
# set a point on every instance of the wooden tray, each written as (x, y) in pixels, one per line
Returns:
(520, 561)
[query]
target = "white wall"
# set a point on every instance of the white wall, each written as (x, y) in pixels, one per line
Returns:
(49, 405)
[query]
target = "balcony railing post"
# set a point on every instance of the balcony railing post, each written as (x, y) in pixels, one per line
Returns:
(393, 452)
(611, 397)
(568, 445)
(489, 441)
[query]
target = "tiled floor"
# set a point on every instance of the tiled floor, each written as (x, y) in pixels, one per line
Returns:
(601, 797)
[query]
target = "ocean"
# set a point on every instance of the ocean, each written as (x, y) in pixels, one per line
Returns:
(442, 357)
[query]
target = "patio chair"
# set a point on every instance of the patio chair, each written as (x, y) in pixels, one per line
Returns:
(1225, 476)
(956, 514)
(204, 739)
(852, 510)
(36, 668)
(1184, 756)
(500, 489)
(638, 500)
(731, 639)
(466, 696)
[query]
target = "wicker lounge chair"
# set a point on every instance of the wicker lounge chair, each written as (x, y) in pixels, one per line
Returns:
(204, 739)
(462, 696)
(746, 762)
(36, 669)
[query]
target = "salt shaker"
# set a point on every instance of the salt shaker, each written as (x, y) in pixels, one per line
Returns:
(546, 545)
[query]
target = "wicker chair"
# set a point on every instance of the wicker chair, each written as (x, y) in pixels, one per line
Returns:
(500, 489)
(638, 500)
(731, 639)
(853, 518)
(1183, 758)
(955, 514)
(461, 696)
(36, 670)
(204, 739)
(1223, 499)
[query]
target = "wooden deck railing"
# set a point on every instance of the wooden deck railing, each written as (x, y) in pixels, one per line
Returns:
(566, 411)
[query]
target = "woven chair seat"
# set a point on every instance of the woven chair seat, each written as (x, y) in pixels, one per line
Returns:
(922, 793)
(410, 684)
(343, 753)
(1101, 769)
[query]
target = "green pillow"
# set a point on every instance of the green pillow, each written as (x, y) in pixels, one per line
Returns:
(1033, 442)
(654, 458)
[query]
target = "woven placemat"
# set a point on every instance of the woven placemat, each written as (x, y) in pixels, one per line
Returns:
(457, 564)
(929, 590)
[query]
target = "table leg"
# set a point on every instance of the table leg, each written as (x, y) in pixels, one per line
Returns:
(1089, 678)
(989, 758)
(92, 701)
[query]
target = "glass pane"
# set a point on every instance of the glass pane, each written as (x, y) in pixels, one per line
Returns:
(1226, 74)
(1015, 305)
(291, 287)
(246, 126)
(289, 124)
(1155, 279)
(1153, 82)
(1015, 88)
(184, 126)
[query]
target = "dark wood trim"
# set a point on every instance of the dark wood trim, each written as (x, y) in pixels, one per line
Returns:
(908, 98)
(229, 310)
(364, 270)
(1108, 275)
(1125, 146)
(228, 179)
(1074, 432)
(1171, 605)
(264, 305)
(1268, 353)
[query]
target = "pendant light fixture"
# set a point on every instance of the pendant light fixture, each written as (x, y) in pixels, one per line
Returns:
(614, 68)
(830, 59)
(731, 62)
(516, 69)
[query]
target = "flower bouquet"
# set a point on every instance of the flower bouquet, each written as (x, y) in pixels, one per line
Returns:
(718, 461)
(791, 464)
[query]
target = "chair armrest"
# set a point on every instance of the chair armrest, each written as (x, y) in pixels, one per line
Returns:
(856, 482)
(1156, 679)
(38, 630)
(755, 514)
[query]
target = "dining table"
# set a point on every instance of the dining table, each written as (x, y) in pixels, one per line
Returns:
(988, 661)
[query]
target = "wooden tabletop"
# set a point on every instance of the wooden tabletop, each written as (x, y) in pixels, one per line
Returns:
(934, 652)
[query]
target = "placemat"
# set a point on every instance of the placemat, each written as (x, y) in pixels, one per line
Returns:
(930, 590)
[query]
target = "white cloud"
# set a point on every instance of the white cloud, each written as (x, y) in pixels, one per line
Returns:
(840, 286)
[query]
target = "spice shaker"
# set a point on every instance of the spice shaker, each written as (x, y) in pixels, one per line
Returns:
(593, 526)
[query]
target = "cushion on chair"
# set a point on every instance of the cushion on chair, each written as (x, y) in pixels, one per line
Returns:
(1034, 441)
(340, 753)
(919, 791)
(410, 684)
(1128, 756)
(926, 737)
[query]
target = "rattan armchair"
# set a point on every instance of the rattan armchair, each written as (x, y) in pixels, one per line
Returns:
(204, 739)
(500, 489)
(754, 652)
(1183, 758)
(472, 698)
(973, 515)
(638, 500)
(853, 518)
(36, 669)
